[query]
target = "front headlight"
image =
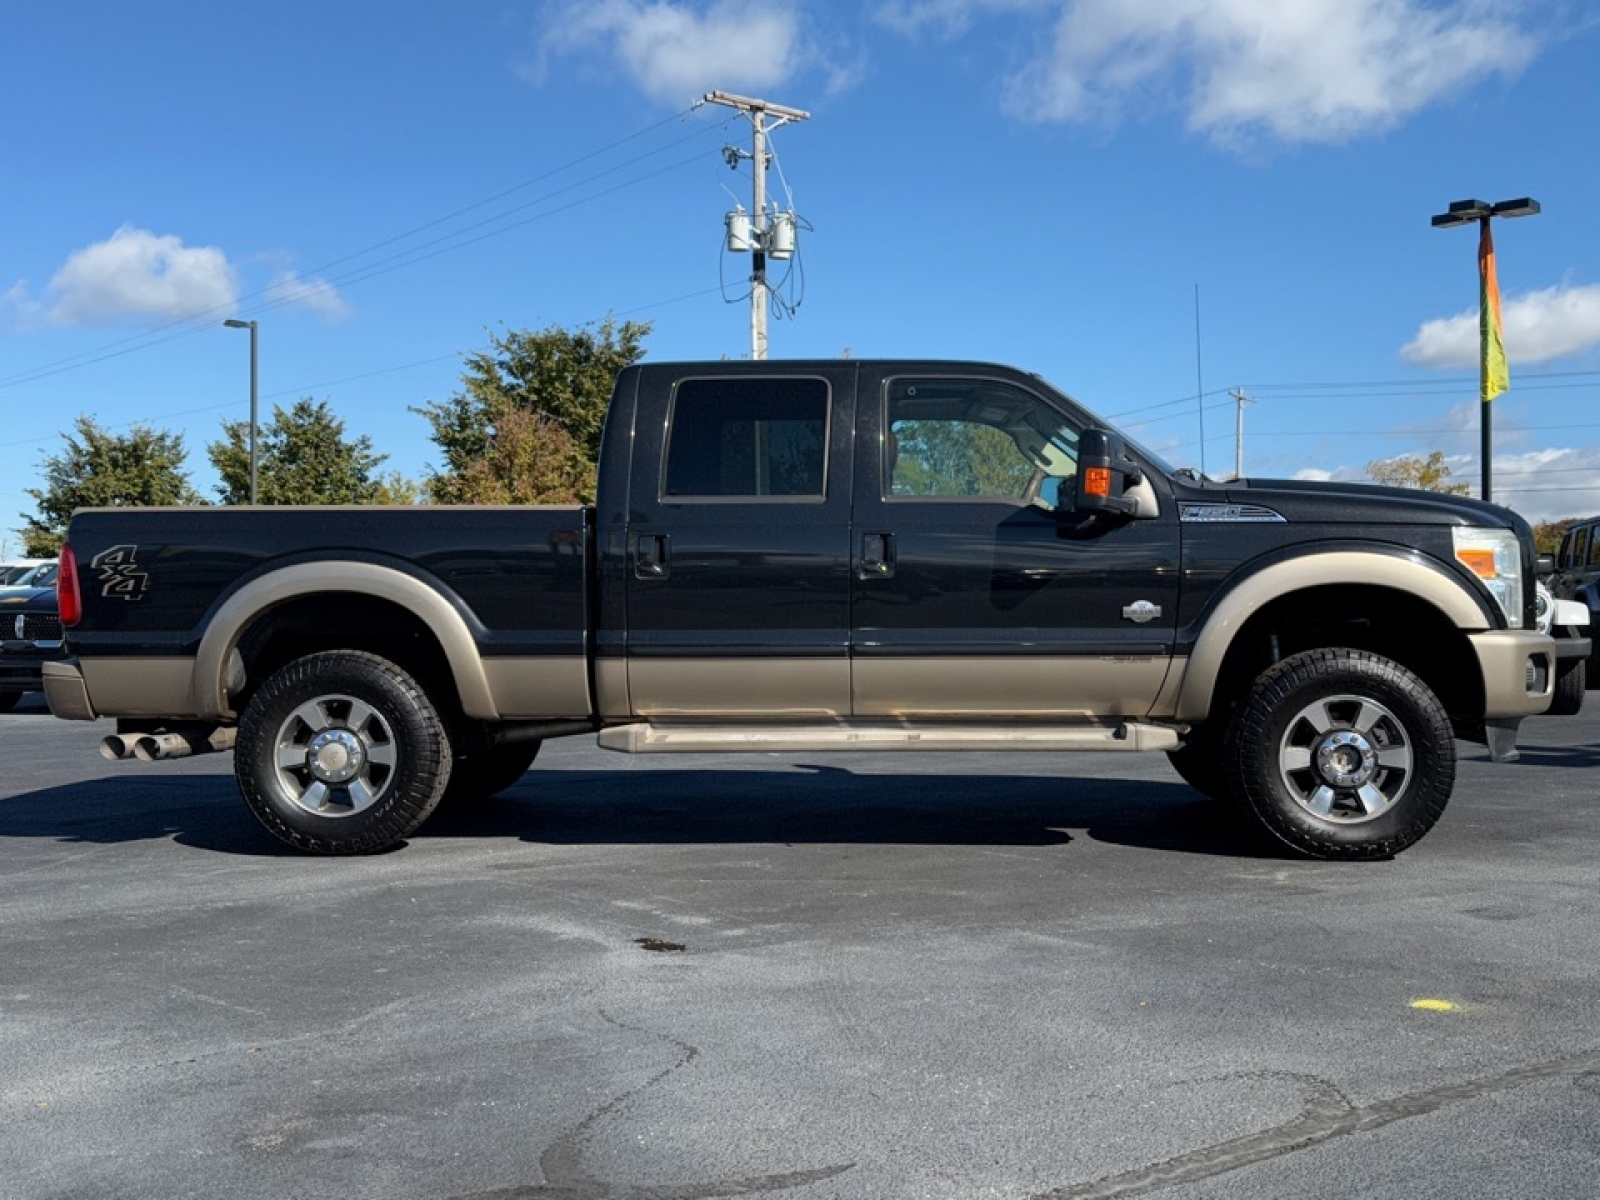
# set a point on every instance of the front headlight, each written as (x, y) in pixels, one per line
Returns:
(1544, 607)
(1495, 557)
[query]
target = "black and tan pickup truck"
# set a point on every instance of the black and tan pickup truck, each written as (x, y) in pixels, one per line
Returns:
(823, 556)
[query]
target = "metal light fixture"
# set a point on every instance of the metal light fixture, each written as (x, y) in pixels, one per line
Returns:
(1466, 212)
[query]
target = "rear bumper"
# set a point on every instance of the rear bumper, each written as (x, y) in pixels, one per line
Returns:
(66, 693)
(1518, 670)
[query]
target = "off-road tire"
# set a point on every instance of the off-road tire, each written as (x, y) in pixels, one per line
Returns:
(1341, 754)
(341, 753)
(1566, 698)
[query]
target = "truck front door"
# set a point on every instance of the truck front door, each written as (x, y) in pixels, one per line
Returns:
(972, 596)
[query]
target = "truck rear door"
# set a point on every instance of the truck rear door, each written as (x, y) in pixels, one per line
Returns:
(737, 568)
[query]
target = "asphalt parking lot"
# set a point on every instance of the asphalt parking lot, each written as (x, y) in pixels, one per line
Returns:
(860, 976)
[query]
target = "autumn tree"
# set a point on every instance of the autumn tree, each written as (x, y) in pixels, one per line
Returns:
(100, 469)
(1431, 474)
(530, 458)
(303, 457)
(1547, 535)
(564, 377)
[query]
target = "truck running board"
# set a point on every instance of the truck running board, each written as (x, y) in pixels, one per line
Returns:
(711, 739)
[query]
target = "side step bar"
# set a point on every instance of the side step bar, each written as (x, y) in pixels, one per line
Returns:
(655, 738)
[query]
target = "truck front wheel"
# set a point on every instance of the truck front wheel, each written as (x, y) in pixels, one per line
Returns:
(1342, 754)
(341, 753)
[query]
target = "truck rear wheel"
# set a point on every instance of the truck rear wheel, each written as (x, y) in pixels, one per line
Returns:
(341, 753)
(1342, 754)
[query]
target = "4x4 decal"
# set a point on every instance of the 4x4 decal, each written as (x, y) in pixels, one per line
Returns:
(120, 572)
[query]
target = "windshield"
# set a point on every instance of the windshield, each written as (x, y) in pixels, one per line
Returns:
(26, 575)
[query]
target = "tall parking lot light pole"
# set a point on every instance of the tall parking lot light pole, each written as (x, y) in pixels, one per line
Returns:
(1493, 375)
(251, 326)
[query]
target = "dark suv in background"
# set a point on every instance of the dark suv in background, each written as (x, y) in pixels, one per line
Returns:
(30, 635)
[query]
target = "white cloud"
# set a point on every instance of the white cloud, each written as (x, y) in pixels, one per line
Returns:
(1548, 484)
(19, 311)
(136, 273)
(315, 295)
(1535, 326)
(1297, 71)
(950, 16)
(677, 51)
(139, 274)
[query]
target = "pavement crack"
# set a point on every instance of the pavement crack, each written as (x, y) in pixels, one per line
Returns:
(566, 1178)
(1326, 1115)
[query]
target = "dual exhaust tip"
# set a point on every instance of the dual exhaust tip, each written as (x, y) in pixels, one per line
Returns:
(181, 743)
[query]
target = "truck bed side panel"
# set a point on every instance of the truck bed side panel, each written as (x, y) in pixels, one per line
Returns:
(510, 582)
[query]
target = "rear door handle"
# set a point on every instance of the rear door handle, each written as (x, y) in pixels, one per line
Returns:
(650, 556)
(877, 556)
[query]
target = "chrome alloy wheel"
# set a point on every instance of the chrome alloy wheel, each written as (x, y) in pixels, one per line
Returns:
(335, 755)
(1345, 759)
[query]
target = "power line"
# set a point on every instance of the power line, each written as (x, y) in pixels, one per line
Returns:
(273, 297)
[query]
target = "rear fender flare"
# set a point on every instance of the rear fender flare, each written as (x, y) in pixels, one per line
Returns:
(241, 609)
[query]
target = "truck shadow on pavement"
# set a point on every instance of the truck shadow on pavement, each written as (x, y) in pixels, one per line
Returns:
(818, 805)
(828, 804)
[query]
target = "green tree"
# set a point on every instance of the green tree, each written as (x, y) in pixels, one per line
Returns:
(99, 469)
(303, 457)
(395, 488)
(1431, 474)
(564, 376)
(957, 458)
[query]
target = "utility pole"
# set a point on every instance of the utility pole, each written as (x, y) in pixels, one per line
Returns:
(1239, 400)
(760, 242)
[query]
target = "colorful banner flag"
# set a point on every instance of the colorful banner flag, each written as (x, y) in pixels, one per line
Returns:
(1494, 374)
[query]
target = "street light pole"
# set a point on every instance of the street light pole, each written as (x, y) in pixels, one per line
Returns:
(1492, 375)
(251, 326)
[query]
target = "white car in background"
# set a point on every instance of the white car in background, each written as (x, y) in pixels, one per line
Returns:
(19, 571)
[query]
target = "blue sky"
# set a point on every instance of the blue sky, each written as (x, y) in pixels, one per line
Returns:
(1078, 187)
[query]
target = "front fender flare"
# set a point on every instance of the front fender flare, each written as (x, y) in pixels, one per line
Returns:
(1335, 567)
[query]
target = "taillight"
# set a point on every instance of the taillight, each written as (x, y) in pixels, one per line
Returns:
(67, 595)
